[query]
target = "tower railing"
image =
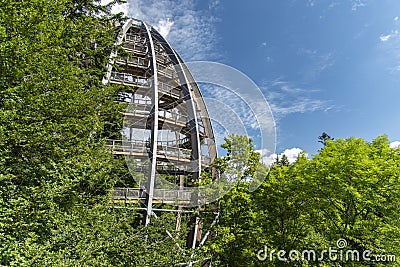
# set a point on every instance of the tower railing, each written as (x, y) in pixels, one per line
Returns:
(135, 61)
(129, 78)
(135, 47)
(166, 71)
(166, 195)
(169, 90)
(166, 115)
(140, 146)
(135, 38)
(131, 146)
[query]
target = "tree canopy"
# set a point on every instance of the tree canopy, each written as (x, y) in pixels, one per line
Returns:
(56, 175)
(349, 190)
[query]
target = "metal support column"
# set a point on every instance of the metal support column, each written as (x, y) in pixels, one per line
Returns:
(154, 133)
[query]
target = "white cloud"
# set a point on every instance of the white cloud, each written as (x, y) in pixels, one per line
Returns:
(385, 38)
(164, 27)
(117, 8)
(395, 144)
(121, 8)
(190, 31)
(291, 153)
(396, 18)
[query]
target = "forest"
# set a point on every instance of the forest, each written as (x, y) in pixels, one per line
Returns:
(57, 176)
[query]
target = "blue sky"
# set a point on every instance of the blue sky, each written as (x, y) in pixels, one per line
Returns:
(330, 66)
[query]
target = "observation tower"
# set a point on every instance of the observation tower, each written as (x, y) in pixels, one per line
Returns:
(167, 137)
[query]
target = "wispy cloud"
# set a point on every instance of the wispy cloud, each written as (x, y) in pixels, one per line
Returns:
(214, 4)
(324, 61)
(233, 102)
(356, 4)
(394, 69)
(189, 30)
(389, 43)
(285, 98)
(317, 62)
(232, 113)
(333, 4)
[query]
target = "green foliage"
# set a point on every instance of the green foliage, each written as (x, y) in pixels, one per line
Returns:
(53, 111)
(357, 188)
(241, 155)
(236, 229)
(56, 175)
(349, 190)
